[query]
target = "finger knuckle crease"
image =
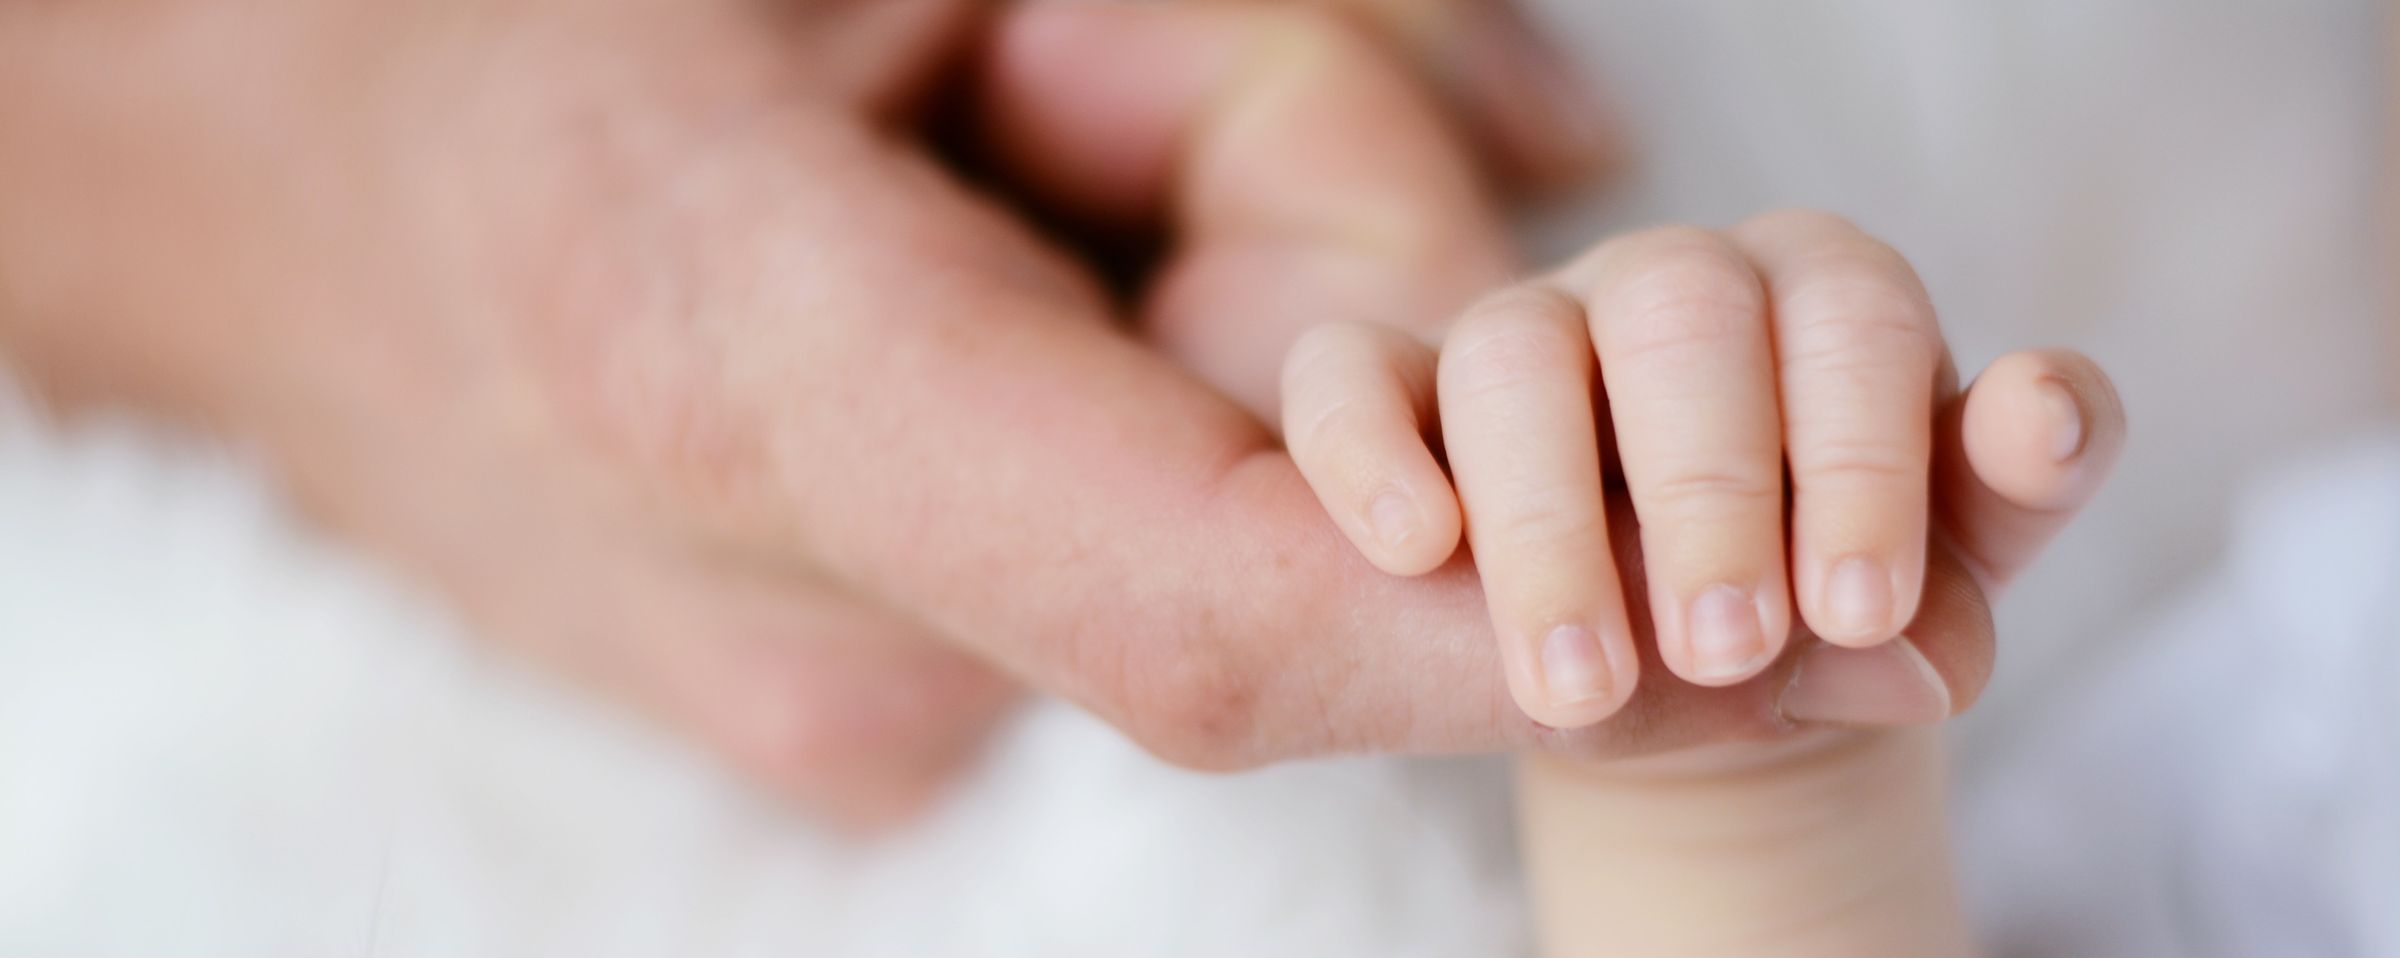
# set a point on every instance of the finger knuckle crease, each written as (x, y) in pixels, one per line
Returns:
(1336, 421)
(1550, 517)
(1855, 464)
(1677, 327)
(1326, 347)
(1499, 356)
(1699, 488)
(1522, 303)
(1858, 312)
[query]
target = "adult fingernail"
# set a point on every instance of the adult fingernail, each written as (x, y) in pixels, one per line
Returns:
(1889, 684)
(1574, 668)
(2065, 417)
(1394, 519)
(1858, 598)
(1727, 639)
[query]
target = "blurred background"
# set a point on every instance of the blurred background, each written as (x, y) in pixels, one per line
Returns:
(221, 734)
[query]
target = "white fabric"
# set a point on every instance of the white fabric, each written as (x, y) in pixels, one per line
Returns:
(220, 736)
(2227, 782)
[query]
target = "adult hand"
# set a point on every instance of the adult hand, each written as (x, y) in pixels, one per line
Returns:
(1512, 89)
(657, 338)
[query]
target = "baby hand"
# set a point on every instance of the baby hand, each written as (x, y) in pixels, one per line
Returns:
(1718, 376)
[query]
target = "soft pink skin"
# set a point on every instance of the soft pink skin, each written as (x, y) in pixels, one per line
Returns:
(565, 308)
(1702, 362)
(646, 334)
(1832, 843)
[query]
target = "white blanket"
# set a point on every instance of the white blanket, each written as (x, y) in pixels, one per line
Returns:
(2227, 780)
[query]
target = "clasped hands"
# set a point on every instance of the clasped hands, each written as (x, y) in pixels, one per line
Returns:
(732, 360)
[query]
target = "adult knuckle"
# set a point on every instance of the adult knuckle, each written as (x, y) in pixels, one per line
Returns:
(1191, 707)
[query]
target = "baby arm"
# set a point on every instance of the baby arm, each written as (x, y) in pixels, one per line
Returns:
(1694, 367)
(1830, 844)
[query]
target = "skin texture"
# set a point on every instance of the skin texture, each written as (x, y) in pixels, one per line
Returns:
(1696, 365)
(1693, 368)
(1832, 843)
(659, 341)
(1833, 848)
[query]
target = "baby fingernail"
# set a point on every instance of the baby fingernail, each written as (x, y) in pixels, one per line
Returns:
(1574, 669)
(1889, 684)
(2065, 417)
(1858, 598)
(1727, 639)
(1393, 519)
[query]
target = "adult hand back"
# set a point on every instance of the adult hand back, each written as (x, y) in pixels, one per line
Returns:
(659, 338)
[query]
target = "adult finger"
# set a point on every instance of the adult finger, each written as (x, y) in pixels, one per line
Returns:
(850, 711)
(1301, 176)
(959, 432)
(1535, 117)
